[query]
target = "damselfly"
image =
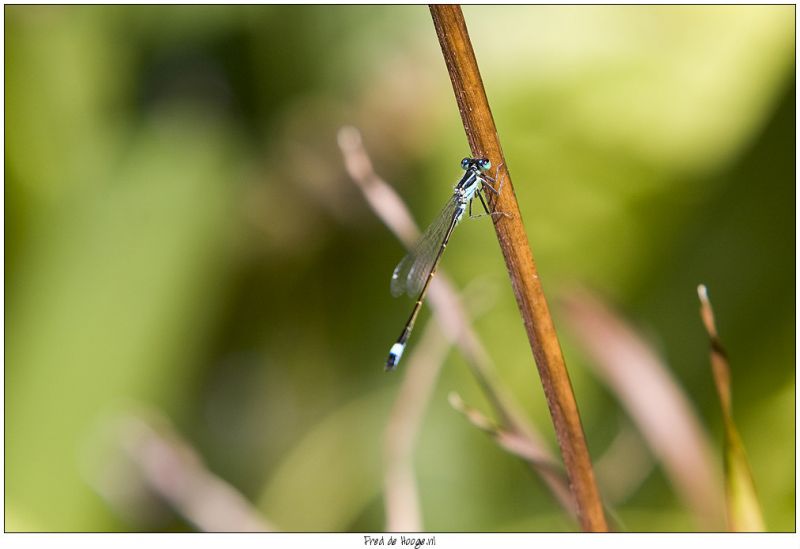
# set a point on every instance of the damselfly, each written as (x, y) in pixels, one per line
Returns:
(414, 273)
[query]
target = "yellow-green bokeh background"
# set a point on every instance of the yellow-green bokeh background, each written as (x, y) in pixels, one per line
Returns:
(181, 235)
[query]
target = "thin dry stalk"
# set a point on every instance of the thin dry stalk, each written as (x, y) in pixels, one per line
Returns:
(422, 369)
(540, 459)
(405, 420)
(444, 301)
(658, 406)
(743, 507)
(511, 442)
(173, 470)
(484, 142)
(719, 359)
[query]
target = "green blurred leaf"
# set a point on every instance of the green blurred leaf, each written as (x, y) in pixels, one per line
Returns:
(333, 472)
(114, 286)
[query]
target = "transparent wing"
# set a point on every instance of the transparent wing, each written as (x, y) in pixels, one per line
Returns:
(410, 274)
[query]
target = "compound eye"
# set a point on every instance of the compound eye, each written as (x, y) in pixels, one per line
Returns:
(484, 164)
(465, 163)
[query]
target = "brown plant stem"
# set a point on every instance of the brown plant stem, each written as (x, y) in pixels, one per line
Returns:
(484, 142)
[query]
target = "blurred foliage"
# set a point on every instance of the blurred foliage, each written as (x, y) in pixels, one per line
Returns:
(180, 232)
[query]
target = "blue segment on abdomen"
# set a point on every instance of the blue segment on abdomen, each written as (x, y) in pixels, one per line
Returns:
(395, 354)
